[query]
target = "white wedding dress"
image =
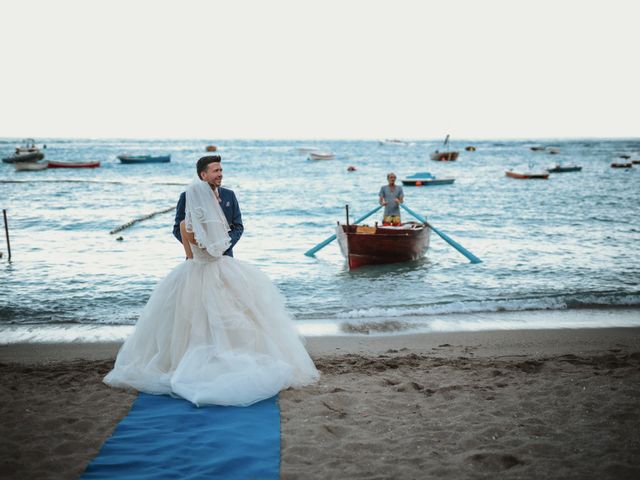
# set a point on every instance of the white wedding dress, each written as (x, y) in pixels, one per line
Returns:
(215, 331)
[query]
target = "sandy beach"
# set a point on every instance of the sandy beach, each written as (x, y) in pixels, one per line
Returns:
(514, 404)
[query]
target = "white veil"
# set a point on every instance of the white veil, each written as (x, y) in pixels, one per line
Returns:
(204, 218)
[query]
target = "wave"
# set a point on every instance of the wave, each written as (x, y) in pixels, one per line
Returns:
(569, 302)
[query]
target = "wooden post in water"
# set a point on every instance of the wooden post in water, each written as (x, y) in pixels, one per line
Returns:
(6, 232)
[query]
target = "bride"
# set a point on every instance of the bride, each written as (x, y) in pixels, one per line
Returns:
(215, 331)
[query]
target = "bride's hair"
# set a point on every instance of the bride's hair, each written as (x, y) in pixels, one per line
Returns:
(203, 162)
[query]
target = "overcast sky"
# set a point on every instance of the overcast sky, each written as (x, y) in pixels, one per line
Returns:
(321, 69)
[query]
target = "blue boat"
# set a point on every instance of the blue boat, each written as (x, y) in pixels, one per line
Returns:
(423, 179)
(132, 159)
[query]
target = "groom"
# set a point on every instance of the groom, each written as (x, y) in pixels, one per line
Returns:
(210, 170)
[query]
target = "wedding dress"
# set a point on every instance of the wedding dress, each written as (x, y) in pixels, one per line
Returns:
(215, 330)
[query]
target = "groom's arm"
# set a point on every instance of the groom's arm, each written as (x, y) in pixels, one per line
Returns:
(179, 216)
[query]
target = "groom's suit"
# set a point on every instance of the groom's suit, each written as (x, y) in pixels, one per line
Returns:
(230, 208)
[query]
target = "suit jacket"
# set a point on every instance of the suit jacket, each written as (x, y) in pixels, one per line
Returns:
(231, 211)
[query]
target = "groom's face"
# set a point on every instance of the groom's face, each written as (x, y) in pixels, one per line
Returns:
(213, 174)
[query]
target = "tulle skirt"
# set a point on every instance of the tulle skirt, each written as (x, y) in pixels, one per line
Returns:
(214, 333)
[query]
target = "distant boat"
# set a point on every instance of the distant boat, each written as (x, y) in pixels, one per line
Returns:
(394, 141)
(211, 148)
(306, 149)
(635, 161)
(447, 155)
(559, 168)
(621, 164)
(56, 164)
(425, 179)
(363, 245)
(30, 166)
(526, 175)
(321, 156)
(625, 156)
(470, 148)
(133, 159)
(553, 150)
(24, 157)
(537, 148)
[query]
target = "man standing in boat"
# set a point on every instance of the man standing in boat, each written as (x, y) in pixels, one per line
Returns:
(391, 196)
(209, 169)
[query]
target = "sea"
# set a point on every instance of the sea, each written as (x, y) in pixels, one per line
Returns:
(556, 253)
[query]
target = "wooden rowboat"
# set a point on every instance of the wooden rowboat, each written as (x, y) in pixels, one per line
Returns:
(53, 164)
(363, 245)
(544, 175)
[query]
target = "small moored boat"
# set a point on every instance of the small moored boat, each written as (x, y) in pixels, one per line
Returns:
(621, 164)
(24, 157)
(56, 164)
(447, 155)
(543, 175)
(560, 168)
(394, 141)
(321, 156)
(30, 166)
(364, 245)
(425, 179)
(133, 159)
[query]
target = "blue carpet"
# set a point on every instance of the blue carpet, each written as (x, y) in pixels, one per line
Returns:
(165, 437)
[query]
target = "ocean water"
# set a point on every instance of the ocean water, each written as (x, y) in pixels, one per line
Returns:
(565, 244)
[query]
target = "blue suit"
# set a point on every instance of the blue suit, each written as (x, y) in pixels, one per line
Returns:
(231, 210)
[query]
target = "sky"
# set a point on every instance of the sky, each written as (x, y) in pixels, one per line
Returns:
(298, 69)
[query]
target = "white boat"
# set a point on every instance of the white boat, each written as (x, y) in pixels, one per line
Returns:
(394, 141)
(30, 166)
(321, 156)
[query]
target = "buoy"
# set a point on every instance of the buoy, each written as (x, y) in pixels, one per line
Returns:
(211, 148)
(351, 168)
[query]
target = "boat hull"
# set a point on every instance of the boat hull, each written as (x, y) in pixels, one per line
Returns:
(30, 166)
(622, 165)
(445, 156)
(135, 159)
(564, 169)
(411, 182)
(362, 245)
(24, 157)
(73, 164)
(527, 175)
(321, 156)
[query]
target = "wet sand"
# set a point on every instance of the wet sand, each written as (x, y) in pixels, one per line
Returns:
(508, 404)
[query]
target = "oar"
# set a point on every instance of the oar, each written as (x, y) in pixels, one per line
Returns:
(311, 252)
(444, 236)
